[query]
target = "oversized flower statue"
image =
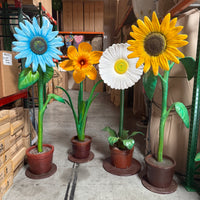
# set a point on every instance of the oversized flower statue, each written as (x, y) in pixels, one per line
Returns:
(119, 72)
(156, 46)
(38, 46)
(81, 63)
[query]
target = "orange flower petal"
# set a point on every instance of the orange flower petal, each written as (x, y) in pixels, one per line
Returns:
(95, 56)
(91, 72)
(72, 52)
(67, 65)
(78, 76)
(84, 47)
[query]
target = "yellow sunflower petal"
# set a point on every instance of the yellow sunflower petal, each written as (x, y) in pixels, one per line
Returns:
(163, 63)
(67, 65)
(154, 63)
(137, 36)
(78, 76)
(143, 27)
(84, 47)
(170, 56)
(155, 22)
(181, 37)
(72, 52)
(91, 72)
(173, 22)
(133, 55)
(173, 32)
(140, 62)
(95, 56)
(147, 65)
(148, 23)
(131, 42)
(164, 27)
(177, 43)
(175, 51)
(136, 29)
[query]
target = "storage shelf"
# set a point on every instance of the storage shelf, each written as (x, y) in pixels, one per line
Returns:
(80, 33)
(14, 97)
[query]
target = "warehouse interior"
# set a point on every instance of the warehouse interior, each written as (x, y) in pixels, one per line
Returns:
(98, 24)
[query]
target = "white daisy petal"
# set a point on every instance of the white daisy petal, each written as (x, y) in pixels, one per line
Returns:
(119, 79)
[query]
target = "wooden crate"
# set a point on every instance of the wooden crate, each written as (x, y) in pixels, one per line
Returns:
(67, 16)
(77, 16)
(99, 16)
(4, 144)
(6, 184)
(27, 123)
(14, 138)
(4, 158)
(4, 117)
(16, 147)
(5, 171)
(18, 158)
(89, 16)
(16, 114)
(27, 141)
(17, 126)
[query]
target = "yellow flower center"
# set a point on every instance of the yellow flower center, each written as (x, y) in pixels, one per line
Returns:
(121, 66)
(154, 44)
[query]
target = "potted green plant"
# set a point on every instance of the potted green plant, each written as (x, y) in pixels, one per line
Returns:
(156, 45)
(120, 73)
(38, 46)
(81, 63)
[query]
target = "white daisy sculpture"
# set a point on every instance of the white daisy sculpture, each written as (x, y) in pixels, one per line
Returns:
(38, 45)
(119, 72)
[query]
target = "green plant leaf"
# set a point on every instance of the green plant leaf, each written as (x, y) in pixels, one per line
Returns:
(197, 157)
(135, 133)
(56, 97)
(112, 140)
(82, 107)
(124, 134)
(110, 131)
(47, 76)
(183, 113)
(129, 143)
(27, 78)
(189, 63)
(149, 83)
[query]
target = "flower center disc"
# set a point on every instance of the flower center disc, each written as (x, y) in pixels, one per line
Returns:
(38, 45)
(121, 66)
(154, 44)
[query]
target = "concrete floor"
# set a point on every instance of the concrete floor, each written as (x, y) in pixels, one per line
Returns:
(88, 181)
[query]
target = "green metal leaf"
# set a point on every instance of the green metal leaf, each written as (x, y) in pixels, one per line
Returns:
(110, 131)
(125, 134)
(135, 133)
(189, 63)
(183, 113)
(112, 140)
(82, 107)
(56, 97)
(197, 157)
(129, 143)
(149, 83)
(27, 78)
(47, 76)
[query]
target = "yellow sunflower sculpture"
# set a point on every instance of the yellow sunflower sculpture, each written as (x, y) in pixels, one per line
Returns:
(156, 43)
(81, 62)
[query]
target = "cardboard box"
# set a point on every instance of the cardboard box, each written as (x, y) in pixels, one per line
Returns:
(89, 16)
(4, 158)
(4, 117)
(27, 123)
(99, 16)
(67, 16)
(18, 168)
(6, 184)
(77, 16)
(4, 144)
(16, 147)
(5, 130)
(14, 138)
(16, 114)
(8, 73)
(5, 171)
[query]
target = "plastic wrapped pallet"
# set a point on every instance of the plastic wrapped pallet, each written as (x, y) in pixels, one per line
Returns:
(180, 89)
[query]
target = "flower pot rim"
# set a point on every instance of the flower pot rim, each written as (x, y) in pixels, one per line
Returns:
(43, 153)
(76, 138)
(117, 149)
(160, 167)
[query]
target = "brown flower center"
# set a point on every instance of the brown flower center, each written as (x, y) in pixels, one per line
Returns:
(154, 44)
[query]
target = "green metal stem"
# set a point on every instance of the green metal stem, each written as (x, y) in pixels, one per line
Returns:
(164, 114)
(121, 122)
(40, 111)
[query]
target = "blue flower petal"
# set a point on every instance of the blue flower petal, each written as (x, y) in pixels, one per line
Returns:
(30, 27)
(52, 35)
(21, 44)
(36, 26)
(42, 63)
(35, 63)
(54, 50)
(25, 29)
(49, 60)
(54, 55)
(45, 26)
(20, 32)
(18, 49)
(20, 37)
(29, 60)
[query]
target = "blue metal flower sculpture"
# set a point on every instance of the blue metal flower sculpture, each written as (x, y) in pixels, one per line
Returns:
(37, 45)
